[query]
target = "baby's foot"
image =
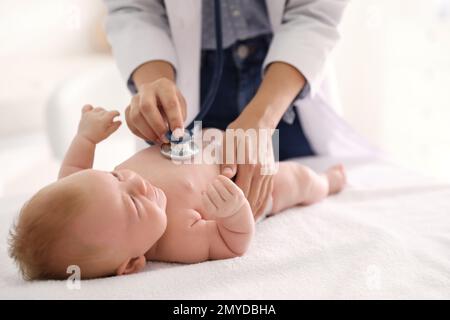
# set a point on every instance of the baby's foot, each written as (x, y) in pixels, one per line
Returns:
(336, 178)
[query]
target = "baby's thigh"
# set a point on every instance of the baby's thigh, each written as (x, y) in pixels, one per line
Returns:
(287, 175)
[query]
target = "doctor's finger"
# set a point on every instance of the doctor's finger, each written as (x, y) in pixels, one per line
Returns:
(266, 193)
(255, 196)
(244, 178)
(248, 169)
(142, 126)
(228, 165)
(146, 130)
(130, 125)
(182, 103)
(152, 115)
(171, 106)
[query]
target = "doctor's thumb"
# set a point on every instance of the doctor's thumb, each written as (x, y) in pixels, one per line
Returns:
(228, 170)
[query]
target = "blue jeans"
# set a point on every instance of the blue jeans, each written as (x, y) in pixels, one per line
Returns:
(240, 80)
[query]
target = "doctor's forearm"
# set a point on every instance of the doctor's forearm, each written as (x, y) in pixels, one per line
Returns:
(152, 71)
(281, 84)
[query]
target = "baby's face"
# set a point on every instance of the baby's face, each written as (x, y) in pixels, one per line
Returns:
(125, 213)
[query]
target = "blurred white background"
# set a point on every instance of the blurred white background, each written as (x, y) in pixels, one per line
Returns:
(393, 68)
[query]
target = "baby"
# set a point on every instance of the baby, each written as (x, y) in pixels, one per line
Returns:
(148, 209)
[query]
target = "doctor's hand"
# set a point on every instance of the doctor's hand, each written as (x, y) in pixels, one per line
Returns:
(157, 106)
(255, 175)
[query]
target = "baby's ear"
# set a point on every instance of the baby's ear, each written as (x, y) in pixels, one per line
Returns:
(132, 265)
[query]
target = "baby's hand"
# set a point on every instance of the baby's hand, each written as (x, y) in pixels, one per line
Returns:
(97, 124)
(223, 197)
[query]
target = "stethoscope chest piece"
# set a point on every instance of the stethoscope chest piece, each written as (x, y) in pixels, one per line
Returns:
(180, 149)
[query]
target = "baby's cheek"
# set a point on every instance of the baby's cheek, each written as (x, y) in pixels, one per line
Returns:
(146, 235)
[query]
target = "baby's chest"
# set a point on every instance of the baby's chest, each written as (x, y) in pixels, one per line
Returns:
(184, 189)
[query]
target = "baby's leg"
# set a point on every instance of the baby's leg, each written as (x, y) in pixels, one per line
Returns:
(296, 184)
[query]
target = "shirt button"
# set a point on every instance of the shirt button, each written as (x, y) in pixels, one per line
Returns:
(236, 13)
(243, 51)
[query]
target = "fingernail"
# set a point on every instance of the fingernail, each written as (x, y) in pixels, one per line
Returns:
(227, 170)
(178, 133)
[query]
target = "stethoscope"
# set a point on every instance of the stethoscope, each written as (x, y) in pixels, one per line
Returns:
(184, 148)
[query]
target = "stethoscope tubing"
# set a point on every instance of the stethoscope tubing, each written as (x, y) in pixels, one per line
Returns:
(218, 67)
(186, 140)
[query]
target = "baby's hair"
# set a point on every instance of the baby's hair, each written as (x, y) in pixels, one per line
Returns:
(37, 232)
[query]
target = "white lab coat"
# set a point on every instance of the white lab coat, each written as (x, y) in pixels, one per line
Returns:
(305, 32)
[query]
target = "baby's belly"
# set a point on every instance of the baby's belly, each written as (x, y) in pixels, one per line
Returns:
(182, 183)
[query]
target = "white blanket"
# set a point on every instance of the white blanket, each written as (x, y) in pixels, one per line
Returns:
(386, 236)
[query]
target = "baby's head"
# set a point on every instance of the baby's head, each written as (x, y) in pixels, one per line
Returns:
(102, 222)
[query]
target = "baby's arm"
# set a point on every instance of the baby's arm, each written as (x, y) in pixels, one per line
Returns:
(229, 235)
(95, 125)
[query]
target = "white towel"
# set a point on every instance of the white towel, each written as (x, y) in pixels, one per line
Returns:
(386, 236)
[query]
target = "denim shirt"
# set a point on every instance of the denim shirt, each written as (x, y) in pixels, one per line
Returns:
(241, 20)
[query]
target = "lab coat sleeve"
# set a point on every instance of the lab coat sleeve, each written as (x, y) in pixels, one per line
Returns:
(306, 36)
(138, 31)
